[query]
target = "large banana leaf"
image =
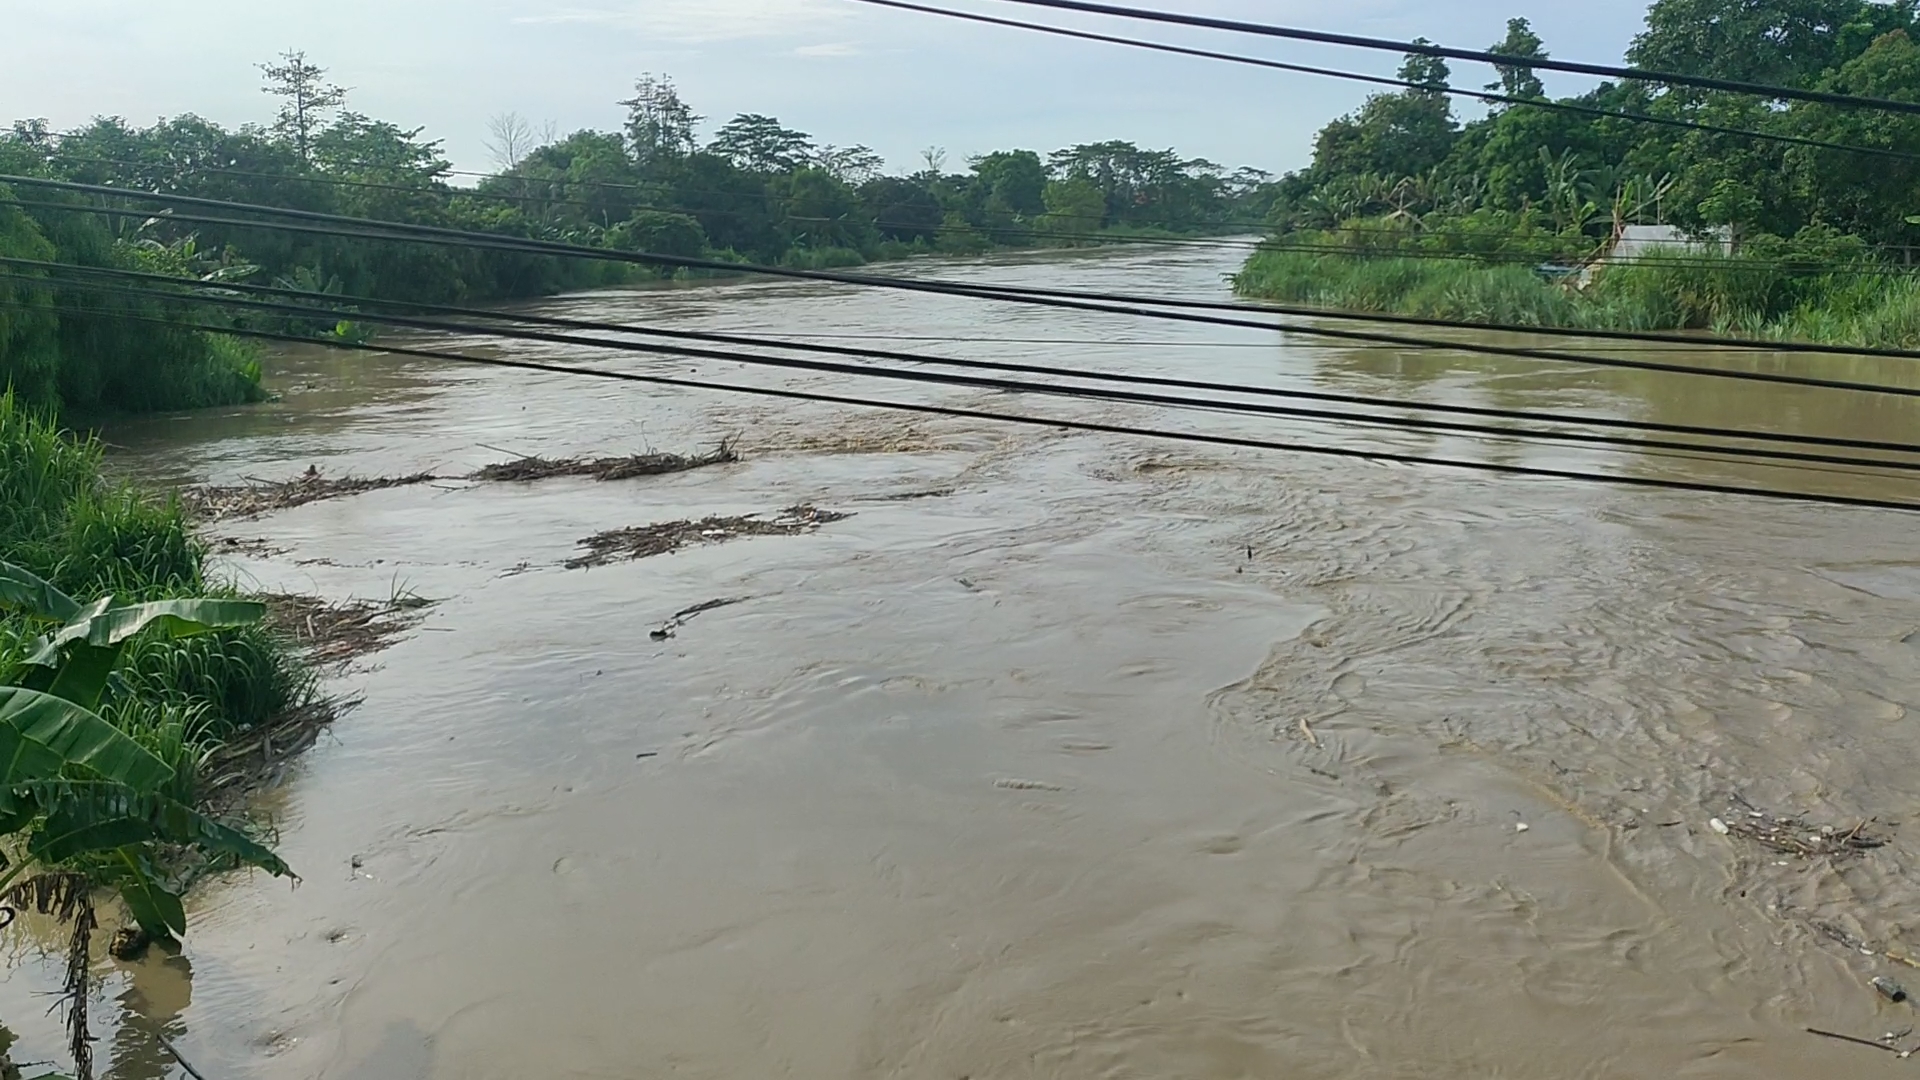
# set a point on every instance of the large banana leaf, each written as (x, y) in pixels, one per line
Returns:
(46, 653)
(82, 654)
(82, 677)
(103, 819)
(37, 596)
(41, 733)
(158, 910)
(104, 627)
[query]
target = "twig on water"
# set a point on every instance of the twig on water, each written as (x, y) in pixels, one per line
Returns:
(184, 1063)
(1307, 730)
(1863, 1042)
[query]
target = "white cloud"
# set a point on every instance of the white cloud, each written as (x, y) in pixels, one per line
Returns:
(838, 48)
(700, 21)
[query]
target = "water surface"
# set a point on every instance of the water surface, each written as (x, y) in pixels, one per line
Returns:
(1067, 755)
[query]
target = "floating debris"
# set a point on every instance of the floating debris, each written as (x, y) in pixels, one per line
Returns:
(613, 468)
(214, 502)
(218, 503)
(336, 633)
(910, 496)
(1016, 784)
(1889, 989)
(254, 758)
(680, 618)
(641, 541)
(256, 547)
(129, 943)
(1794, 836)
(1856, 1040)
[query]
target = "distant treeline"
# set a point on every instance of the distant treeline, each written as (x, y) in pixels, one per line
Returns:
(755, 191)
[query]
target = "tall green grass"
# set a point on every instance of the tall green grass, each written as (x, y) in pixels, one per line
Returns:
(1775, 291)
(1431, 288)
(62, 520)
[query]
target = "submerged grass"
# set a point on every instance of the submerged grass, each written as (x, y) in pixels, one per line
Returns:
(1763, 295)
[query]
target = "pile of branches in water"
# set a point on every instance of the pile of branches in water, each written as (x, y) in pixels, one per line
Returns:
(642, 541)
(1793, 836)
(614, 468)
(215, 503)
(335, 633)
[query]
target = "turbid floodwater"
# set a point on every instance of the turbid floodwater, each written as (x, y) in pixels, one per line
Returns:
(1059, 755)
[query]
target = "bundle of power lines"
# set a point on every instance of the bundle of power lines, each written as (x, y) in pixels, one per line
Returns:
(215, 307)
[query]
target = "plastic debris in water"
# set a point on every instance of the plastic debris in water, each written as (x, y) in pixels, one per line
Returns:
(1522, 827)
(1889, 989)
(1717, 826)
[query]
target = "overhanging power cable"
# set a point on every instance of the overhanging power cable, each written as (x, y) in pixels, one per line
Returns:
(1423, 48)
(920, 375)
(1059, 423)
(348, 307)
(389, 231)
(1490, 97)
(395, 232)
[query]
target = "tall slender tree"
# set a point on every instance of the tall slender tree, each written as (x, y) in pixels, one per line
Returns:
(1517, 80)
(660, 126)
(306, 98)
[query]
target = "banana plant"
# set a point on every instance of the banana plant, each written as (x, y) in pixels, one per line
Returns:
(77, 789)
(84, 807)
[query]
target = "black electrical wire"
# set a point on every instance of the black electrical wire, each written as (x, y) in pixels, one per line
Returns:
(354, 302)
(785, 219)
(1379, 80)
(1025, 387)
(1101, 236)
(1009, 294)
(546, 247)
(1422, 48)
(1111, 238)
(1389, 457)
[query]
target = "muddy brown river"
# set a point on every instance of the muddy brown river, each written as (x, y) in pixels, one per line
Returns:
(1065, 755)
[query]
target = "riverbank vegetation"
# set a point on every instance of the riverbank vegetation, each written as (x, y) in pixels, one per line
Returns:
(1407, 209)
(127, 680)
(754, 190)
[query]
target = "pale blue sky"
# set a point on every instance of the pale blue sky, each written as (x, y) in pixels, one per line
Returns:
(846, 72)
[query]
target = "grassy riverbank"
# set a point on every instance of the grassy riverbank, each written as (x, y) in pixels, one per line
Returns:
(1771, 293)
(184, 699)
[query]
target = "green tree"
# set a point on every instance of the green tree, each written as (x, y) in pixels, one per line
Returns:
(659, 232)
(823, 211)
(660, 126)
(1074, 205)
(306, 98)
(1791, 42)
(1872, 196)
(854, 164)
(903, 209)
(1014, 182)
(1430, 73)
(1518, 80)
(761, 144)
